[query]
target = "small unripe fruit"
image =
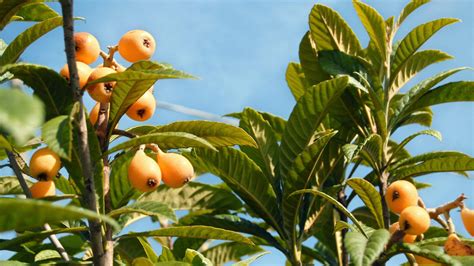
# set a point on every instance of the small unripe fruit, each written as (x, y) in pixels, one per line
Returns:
(101, 92)
(43, 189)
(83, 71)
(455, 247)
(401, 194)
(468, 220)
(407, 238)
(44, 164)
(136, 45)
(144, 173)
(143, 108)
(414, 220)
(175, 168)
(87, 47)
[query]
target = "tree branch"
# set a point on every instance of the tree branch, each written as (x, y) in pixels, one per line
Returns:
(80, 119)
(24, 186)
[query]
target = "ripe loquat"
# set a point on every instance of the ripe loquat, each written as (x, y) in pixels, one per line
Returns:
(414, 220)
(144, 173)
(101, 92)
(143, 108)
(43, 189)
(455, 247)
(467, 217)
(82, 69)
(136, 45)
(87, 47)
(175, 168)
(401, 194)
(44, 164)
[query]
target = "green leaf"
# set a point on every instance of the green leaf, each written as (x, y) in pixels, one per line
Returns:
(427, 156)
(401, 106)
(438, 165)
(38, 236)
(183, 243)
(167, 255)
(21, 115)
(374, 24)
(414, 64)
(133, 83)
(370, 196)
(14, 212)
(47, 84)
(300, 176)
(433, 254)
(416, 38)
(330, 32)
(233, 223)
(250, 260)
(409, 8)
(459, 91)
(35, 12)
(231, 251)
(121, 192)
(57, 134)
(196, 258)
(296, 80)
(244, 177)
(47, 254)
(196, 231)
(370, 149)
(277, 123)
(305, 118)
(10, 185)
(8, 9)
(216, 133)
(194, 196)
(148, 208)
(309, 61)
(136, 247)
(22, 41)
(335, 203)
(266, 151)
(166, 140)
(365, 251)
(429, 132)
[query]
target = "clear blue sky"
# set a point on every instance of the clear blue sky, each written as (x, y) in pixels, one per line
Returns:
(240, 50)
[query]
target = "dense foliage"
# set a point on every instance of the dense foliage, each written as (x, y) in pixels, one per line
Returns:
(284, 181)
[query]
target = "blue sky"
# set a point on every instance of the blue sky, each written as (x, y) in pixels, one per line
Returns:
(240, 50)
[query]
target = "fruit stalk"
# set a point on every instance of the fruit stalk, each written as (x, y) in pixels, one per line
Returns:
(80, 119)
(24, 186)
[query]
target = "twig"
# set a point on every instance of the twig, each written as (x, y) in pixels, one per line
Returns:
(123, 133)
(80, 119)
(457, 203)
(4, 165)
(24, 186)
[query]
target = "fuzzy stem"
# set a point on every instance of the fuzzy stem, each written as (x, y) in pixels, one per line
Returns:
(83, 142)
(24, 186)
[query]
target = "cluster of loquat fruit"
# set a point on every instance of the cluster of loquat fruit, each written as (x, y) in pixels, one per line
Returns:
(144, 173)
(414, 220)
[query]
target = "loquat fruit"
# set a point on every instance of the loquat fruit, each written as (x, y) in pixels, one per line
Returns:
(467, 217)
(175, 168)
(44, 164)
(401, 194)
(136, 45)
(144, 173)
(414, 220)
(143, 108)
(43, 189)
(87, 47)
(83, 71)
(455, 247)
(101, 92)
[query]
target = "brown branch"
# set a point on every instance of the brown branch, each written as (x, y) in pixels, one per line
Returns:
(80, 119)
(444, 209)
(123, 133)
(24, 186)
